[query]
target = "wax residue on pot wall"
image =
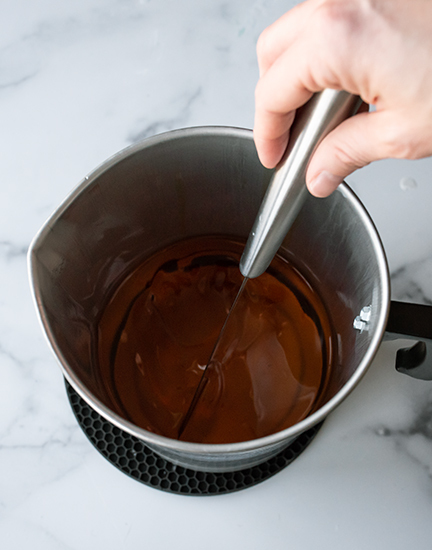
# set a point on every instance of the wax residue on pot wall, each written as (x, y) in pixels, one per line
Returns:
(158, 330)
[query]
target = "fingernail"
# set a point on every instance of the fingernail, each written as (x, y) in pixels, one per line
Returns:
(324, 184)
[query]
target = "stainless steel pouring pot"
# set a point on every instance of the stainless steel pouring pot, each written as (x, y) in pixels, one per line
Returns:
(198, 182)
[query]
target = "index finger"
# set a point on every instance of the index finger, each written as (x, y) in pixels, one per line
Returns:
(277, 96)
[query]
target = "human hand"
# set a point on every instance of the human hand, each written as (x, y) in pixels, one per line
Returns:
(380, 50)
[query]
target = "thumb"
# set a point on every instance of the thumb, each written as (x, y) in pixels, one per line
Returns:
(353, 144)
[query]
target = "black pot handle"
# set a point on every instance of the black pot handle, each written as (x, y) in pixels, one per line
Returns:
(413, 321)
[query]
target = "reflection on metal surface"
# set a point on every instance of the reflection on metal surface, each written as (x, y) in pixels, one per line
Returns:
(361, 322)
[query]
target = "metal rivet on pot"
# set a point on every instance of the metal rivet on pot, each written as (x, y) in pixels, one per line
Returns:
(361, 322)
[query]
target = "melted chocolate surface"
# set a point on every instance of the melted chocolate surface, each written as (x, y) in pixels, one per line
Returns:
(158, 330)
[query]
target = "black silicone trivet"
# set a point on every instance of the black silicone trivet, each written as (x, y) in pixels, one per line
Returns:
(130, 455)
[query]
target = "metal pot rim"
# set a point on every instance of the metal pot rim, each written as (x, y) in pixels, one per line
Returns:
(203, 448)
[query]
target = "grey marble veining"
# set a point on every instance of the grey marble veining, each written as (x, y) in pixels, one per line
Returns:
(415, 439)
(183, 106)
(411, 282)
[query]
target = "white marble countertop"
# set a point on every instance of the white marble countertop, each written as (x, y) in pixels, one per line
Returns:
(79, 81)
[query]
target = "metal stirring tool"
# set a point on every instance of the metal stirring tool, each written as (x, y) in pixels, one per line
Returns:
(285, 196)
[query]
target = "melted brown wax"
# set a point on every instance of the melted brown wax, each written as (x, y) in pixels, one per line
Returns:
(158, 331)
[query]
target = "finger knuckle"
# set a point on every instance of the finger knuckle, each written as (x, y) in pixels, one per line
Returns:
(263, 44)
(404, 148)
(260, 94)
(400, 143)
(265, 99)
(336, 22)
(338, 14)
(348, 157)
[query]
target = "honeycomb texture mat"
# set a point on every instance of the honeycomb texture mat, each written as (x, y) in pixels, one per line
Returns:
(131, 456)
